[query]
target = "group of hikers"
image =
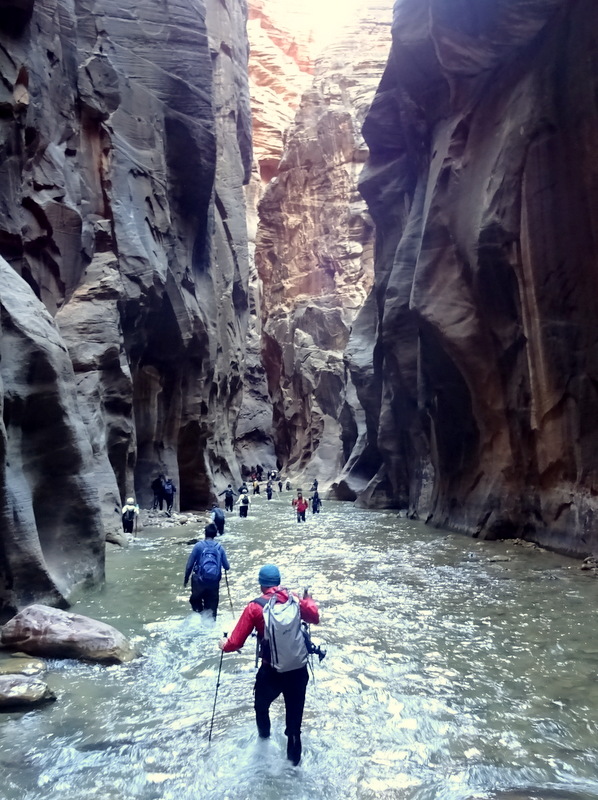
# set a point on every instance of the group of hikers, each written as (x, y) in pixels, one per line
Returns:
(164, 491)
(276, 616)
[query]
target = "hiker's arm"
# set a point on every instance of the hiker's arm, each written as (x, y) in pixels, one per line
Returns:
(309, 611)
(190, 563)
(242, 629)
(225, 563)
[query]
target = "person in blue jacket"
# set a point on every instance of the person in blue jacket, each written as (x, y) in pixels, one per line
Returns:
(204, 565)
(218, 517)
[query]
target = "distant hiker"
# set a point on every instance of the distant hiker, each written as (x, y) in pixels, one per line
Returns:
(205, 562)
(300, 505)
(256, 487)
(169, 493)
(130, 512)
(243, 503)
(284, 658)
(259, 472)
(229, 494)
(243, 489)
(316, 503)
(218, 518)
(280, 486)
(269, 491)
(288, 486)
(314, 486)
(157, 486)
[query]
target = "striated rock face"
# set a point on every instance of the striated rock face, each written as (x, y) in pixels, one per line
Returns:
(483, 184)
(125, 144)
(51, 531)
(314, 252)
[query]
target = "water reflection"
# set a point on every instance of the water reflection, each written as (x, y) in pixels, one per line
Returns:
(451, 673)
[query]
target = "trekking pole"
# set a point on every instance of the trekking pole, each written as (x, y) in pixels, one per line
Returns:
(230, 600)
(216, 693)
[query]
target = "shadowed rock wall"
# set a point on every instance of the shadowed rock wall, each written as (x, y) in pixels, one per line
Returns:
(314, 253)
(125, 143)
(483, 183)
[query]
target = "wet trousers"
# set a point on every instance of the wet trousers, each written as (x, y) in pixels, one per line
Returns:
(204, 597)
(269, 684)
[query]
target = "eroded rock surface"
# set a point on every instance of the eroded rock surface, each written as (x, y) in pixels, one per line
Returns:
(314, 252)
(51, 536)
(482, 181)
(125, 144)
(43, 631)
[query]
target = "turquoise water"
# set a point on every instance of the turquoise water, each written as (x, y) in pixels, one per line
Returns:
(451, 673)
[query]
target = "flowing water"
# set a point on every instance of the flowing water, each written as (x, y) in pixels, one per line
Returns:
(451, 673)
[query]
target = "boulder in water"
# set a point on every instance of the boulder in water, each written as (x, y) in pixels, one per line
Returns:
(43, 631)
(22, 691)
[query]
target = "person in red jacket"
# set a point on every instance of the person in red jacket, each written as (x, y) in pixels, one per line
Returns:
(269, 683)
(300, 505)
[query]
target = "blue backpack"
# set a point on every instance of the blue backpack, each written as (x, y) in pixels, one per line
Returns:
(208, 569)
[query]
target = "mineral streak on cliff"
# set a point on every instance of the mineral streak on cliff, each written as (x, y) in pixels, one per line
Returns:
(124, 147)
(483, 183)
(314, 252)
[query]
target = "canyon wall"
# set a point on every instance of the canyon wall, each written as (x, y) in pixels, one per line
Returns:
(125, 145)
(483, 183)
(314, 254)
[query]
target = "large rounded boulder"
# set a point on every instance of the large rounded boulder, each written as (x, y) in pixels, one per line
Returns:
(43, 631)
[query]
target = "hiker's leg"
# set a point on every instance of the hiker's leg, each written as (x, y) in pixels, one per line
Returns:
(267, 688)
(293, 690)
(197, 595)
(211, 598)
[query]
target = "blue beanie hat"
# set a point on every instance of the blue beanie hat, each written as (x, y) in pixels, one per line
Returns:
(269, 576)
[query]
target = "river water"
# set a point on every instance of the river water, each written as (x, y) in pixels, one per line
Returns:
(451, 673)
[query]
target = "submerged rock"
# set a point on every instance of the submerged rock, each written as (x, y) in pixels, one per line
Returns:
(22, 691)
(44, 631)
(21, 664)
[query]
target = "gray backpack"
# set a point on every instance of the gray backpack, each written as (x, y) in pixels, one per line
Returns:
(283, 634)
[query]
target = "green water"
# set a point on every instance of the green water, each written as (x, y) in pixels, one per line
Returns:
(449, 674)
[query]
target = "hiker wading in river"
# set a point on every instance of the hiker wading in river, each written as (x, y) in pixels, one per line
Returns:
(205, 567)
(276, 616)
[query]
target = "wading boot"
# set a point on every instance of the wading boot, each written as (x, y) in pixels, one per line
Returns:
(294, 749)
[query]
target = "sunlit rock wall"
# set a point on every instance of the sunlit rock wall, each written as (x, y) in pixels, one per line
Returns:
(314, 252)
(483, 183)
(280, 66)
(125, 143)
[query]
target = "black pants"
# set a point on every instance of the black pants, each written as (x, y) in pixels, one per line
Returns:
(228, 503)
(158, 501)
(269, 684)
(219, 523)
(301, 516)
(243, 510)
(128, 525)
(204, 597)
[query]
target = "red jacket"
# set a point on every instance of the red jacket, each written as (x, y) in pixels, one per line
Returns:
(301, 504)
(252, 618)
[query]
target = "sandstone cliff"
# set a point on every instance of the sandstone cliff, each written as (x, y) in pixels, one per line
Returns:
(125, 143)
(482, 181)
(314, 252)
